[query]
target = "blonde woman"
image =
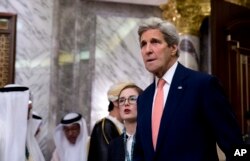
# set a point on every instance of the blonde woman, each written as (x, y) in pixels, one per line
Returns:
(122, 147)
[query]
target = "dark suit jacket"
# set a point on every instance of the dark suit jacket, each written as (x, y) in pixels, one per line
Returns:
(116, 151)
(197, 115)
(103, 132)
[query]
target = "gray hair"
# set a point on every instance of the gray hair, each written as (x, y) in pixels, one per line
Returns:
(168, 30)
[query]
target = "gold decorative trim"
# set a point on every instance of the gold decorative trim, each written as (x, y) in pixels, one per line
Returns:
(245, 3)
(186, 15)
(4, 59)
(103, 131)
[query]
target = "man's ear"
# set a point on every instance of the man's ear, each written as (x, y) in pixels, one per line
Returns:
(174, 49)
(115, 103)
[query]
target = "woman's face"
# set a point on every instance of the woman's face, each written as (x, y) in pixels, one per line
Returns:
(127, 104)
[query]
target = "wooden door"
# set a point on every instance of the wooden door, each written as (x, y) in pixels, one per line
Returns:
(230, 33)
(239, 64)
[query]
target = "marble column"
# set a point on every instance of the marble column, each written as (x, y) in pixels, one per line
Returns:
(95, 45)
(188, 17)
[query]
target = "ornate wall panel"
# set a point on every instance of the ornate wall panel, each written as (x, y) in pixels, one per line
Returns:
(7, 47)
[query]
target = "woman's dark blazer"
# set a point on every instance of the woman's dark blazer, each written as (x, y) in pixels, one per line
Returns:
(116, 151)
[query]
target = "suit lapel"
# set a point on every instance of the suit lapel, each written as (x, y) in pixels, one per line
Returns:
(175, 94)
(147, 105)
(122, 150)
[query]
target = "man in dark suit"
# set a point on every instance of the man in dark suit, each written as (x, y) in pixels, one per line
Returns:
(195, 113)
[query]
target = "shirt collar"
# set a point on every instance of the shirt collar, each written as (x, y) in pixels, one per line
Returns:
(168, 76)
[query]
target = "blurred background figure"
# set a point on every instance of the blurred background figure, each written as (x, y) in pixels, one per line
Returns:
(71, 139)
(13, 122)
(107, 128)
(37, 122)
(33, 151)
(247, 135)
(122, 147)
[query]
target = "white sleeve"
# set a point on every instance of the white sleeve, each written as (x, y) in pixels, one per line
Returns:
(55, 156)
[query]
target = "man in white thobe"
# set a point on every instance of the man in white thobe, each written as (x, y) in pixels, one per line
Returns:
(71, 139)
